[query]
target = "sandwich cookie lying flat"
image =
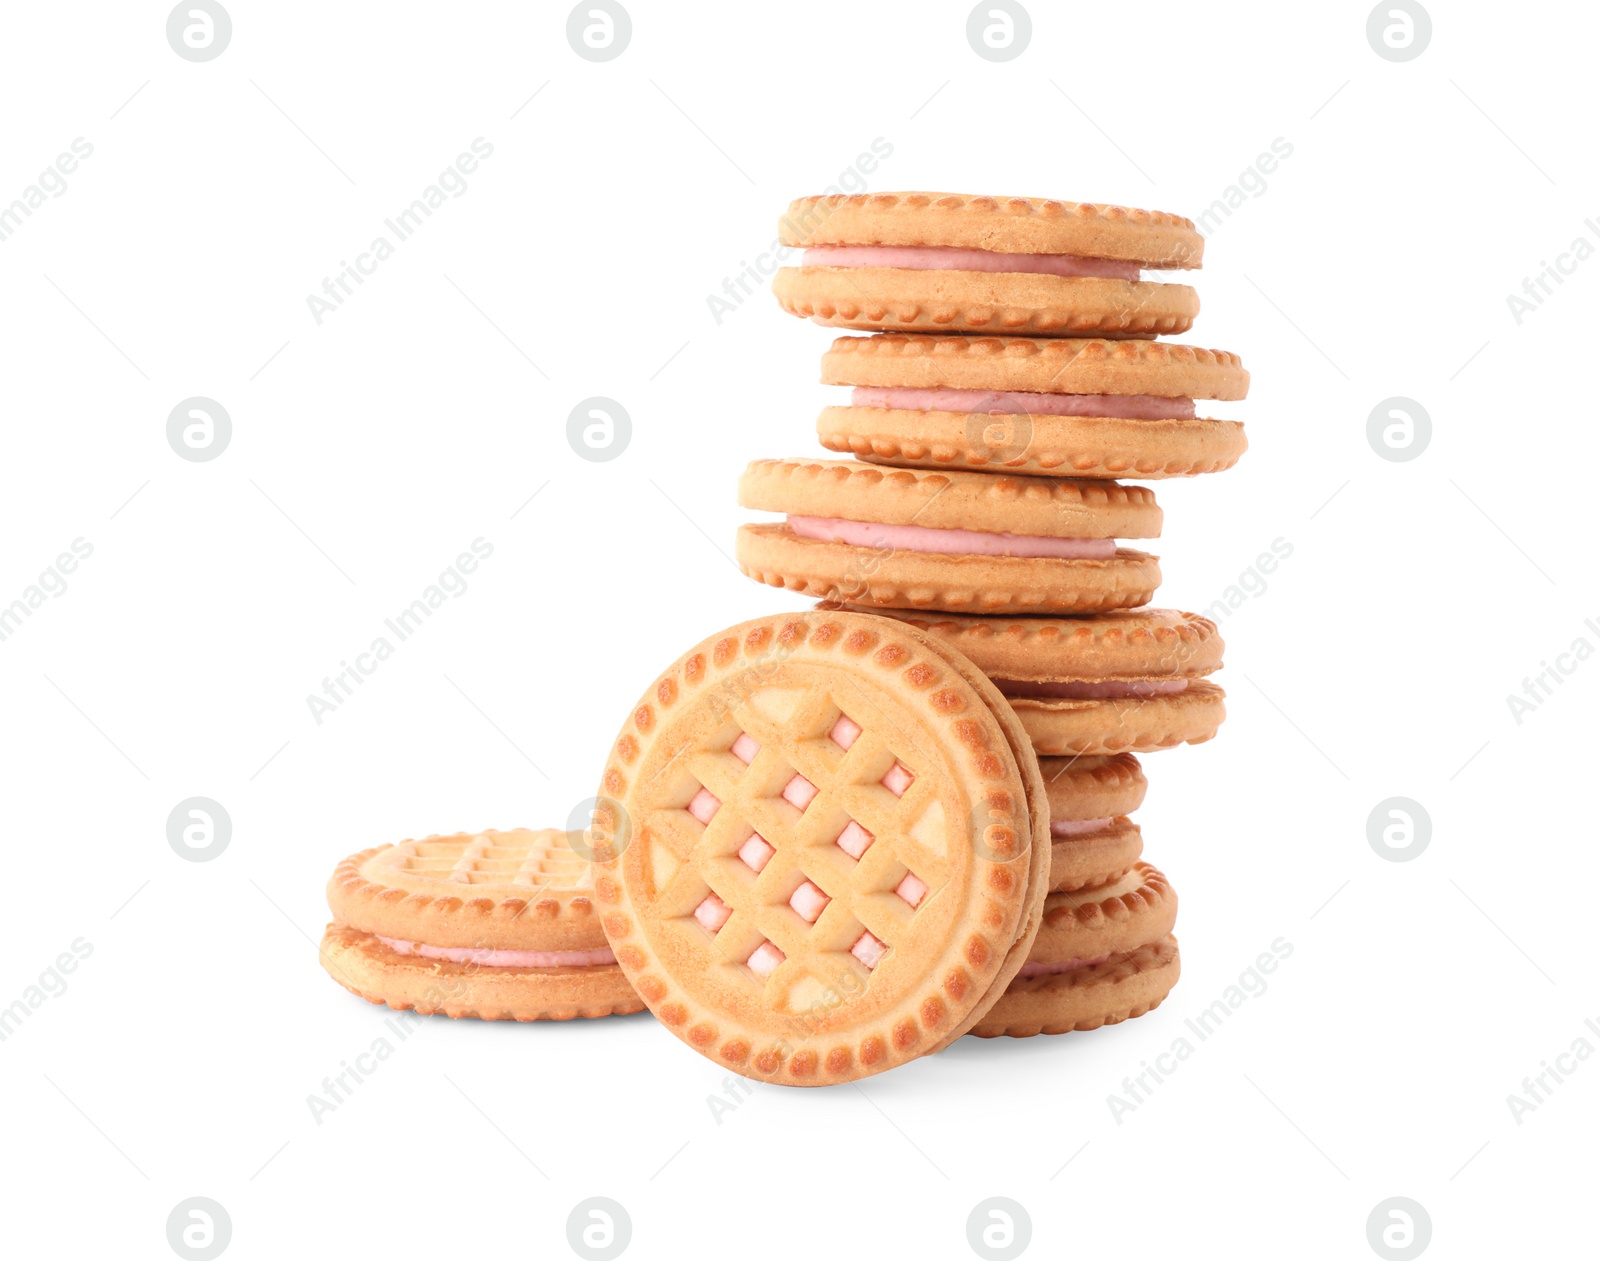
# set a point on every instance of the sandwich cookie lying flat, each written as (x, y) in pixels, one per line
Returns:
(979, 542)
(943, 261)
(1092, 840)
(497, 925)
(1102, 956)
(1127, 680)
(1051, 407)
(822, 847)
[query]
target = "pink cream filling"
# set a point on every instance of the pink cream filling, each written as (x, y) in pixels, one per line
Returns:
(844, 732)
(1011, 402)
(920, 538)
(504, 958)
(951, 258)
(703, 806)
(744, 748)
(1124, 689)
(765, 959)
(808, 902)
(1055, 969)
(1078, 827)
(869, 950)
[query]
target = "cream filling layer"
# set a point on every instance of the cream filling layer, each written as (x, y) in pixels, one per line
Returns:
(1014, 402)
(1079, 827)
(503, 958)
(952, 258)
(1055, 969)
(918, 538)
(1121, 689)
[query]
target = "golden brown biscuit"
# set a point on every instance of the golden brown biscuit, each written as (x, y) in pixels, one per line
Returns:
(1153, 238)
(1117, 681)
(823, 847)
(1032, 405)
(899, 299)
(497, 925)
(904, 538)
(1087, 998)
(1136, 908)
(924, 261)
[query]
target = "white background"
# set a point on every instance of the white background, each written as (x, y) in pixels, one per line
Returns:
(369, 451)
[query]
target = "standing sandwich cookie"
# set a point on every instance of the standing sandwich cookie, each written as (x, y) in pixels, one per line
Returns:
(1044, 406)
(1128, 680)
(497, 925)
(1092, 840)
(822, 847)
(930, 262)
(974, 542)
(1102, 956)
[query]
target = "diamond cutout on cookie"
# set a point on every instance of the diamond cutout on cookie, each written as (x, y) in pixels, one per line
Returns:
(799, 792)
(764, 959)
(844, 732)
(854, 840)
(869, 950)
(744, 748)
(703, 805)
(911, 890)
(897, 779)
(712, 913)
(756, 853)
(808, 902)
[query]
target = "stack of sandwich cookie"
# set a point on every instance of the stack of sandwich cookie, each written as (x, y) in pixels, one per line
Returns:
(496, 925)
(943, 261)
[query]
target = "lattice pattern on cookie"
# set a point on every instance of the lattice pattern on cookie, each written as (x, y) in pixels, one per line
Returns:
(519, 860)
(807, 837)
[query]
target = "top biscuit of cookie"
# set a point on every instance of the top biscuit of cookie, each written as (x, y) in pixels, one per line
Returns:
(513, 890)
(1035, 365)
(1007, 225)
(1125, 644)
(1053, 507)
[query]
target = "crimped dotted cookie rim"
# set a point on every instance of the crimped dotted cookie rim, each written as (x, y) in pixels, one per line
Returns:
(893, 299)
(1106, 447)
(1046, 365)
(1156, 238)
(1143, 724)
(900, 662)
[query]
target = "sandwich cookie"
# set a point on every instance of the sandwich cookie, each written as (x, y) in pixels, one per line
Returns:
(1127, 680)
(822, 847)
(1102, 956)
(1092, 840)
(957, 541)
(944, 262)
(1045, 406)
(497, 925)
